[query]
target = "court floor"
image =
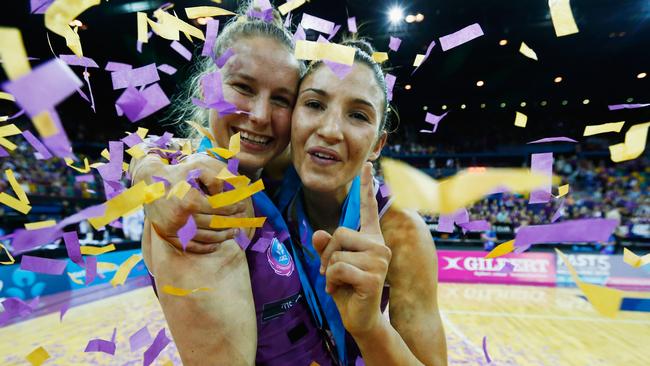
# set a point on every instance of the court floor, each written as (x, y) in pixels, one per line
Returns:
(523, 326)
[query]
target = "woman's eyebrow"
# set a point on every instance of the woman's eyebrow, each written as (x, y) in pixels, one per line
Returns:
(363, 101)
(317, 91)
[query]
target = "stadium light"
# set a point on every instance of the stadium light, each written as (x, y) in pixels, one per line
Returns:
(585, 102)
(503, 42)
(444, 107)
(523, 104)
(410, 18)
(395, 14)
(558, 79)
(641, 75)
(480, 83)
(419, 17)
(407, 86)
(629, 100)
(463, 106)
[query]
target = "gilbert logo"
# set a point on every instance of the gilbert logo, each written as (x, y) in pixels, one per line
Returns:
(452, 263)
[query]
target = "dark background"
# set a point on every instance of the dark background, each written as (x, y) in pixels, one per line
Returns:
(600, 63)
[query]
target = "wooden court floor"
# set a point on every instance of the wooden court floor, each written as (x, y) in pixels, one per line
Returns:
(523, 326)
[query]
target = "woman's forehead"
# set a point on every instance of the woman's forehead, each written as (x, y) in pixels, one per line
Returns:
(359, 83)
(261, 56)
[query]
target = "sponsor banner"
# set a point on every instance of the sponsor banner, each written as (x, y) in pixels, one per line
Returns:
(607, 270)
(472, 266)
(15, 282)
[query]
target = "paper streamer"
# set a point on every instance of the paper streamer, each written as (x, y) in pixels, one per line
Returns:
(125, 268)
(236, 195)
(313, 51)
(573, 231)
(91, 250)
(160, 342)
(290, 5)
(43, 265)
(176, 291)
(414, 189)
(542, 163)
(187, 232)
(634, 145)
(37, 356)
(225, 222)
(521, 120)
(462, 36)
(634, 260)
(562, 17)
(527, 51)
(139, 339)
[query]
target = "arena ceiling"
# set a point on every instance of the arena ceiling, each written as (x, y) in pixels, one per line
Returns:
(601, 63)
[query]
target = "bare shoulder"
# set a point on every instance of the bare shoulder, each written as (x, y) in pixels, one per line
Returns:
(404, 228)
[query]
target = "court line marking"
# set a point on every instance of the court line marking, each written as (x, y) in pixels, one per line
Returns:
(448, 324)
(545, 317)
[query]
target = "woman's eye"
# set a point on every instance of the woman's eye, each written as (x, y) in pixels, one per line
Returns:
(281, 101)
(359, 116)
(243, 88)
(313, 104)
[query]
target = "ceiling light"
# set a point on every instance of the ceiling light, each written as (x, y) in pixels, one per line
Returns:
(407, 86)
(395, 14)
(641, 75)
(629, 100)
(503, 104)
(480, 83)
(444, 107)
(482, 105)
(419, 17)
(410, 18)
(523, 104)
(586, 101)
(463, 106)
(425, 108)
(565, 102)
(558, 79)
(503, 42)
(543, 103)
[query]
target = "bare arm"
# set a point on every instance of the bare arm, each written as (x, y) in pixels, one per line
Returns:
(413, 279)
(209, 328)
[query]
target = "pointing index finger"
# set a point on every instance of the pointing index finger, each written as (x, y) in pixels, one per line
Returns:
(369, 217)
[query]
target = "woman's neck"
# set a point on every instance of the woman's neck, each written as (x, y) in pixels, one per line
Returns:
(323, 209)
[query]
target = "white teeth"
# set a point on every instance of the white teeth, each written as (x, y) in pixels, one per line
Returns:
(254, 138)
(323, 156)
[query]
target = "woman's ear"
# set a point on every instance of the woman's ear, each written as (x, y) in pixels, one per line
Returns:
(379, 145)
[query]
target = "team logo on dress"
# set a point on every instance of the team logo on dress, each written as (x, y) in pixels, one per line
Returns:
(279, 258)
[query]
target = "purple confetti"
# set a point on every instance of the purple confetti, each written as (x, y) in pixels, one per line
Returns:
(84, 178)
(462, 36)
(43, 265)
(433, 120)
(300, 34)
(242, 240)
(163, 140)
(156, 178)
(100, 345)
(559, 212)
(73, 248)
(117, 66)
(233, 165)
(91, 269)
(384, 190)
(143, 75)
(334, 31)
(169, 70)
(64, 309)
(221, 61)
(507, 268)
(156, 347)
(573, 231)
(15, 307)
(426, 55)
(476, 225)
(265, 15)
(140, 339)
(552, 139)
(352, 24)
(542, 164)
(43, 88)
(317, 24)
(132, 139)
(3, 153)
(616, 107)
(40, 6)
(485, 352)
(390, 84)
(394, 43)
(74, 60)
(340, 70)
(41, 151)
(131, 103)
(187, 232)
(156, 100)
(178, 47)
(261, 244)
(211, 32)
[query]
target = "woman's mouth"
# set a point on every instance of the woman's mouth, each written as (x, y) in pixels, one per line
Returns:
(323, 156)
(253, 141)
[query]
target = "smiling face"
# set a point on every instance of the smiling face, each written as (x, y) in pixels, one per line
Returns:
(335, 127)
(261, 79)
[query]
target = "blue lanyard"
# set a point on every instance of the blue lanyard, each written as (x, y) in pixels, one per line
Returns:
(310, 276)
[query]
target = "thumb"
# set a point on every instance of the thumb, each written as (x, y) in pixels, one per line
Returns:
(320, 239)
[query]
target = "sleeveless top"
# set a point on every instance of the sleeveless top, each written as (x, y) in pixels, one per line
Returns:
(289, 200)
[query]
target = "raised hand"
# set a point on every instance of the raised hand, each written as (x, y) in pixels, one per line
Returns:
(355, 264)
(168, 215)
